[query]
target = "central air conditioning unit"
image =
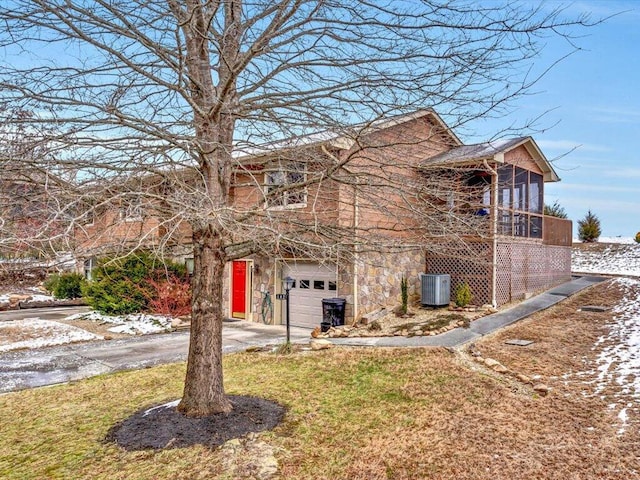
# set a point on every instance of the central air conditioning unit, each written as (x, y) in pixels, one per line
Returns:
(436, 290)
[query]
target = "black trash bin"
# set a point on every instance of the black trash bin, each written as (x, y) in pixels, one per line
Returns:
(332, 313)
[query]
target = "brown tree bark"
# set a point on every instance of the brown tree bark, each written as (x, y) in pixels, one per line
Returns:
(204, 389)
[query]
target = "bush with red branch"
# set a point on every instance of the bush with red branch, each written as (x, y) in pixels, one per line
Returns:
(170, 296)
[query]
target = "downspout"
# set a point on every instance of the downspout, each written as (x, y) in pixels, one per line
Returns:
(494, 233)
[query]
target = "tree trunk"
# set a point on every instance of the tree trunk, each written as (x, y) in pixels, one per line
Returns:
(204, 390)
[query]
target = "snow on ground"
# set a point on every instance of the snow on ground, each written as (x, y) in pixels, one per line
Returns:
(618, 239)
(36, 333)
(617, 259)
(132, 324)
(619, 360)
(36, 296)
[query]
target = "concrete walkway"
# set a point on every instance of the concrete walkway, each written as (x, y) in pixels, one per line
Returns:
(48, 366)
(484, 325)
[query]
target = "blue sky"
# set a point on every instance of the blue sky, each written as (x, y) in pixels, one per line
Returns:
(593, 104)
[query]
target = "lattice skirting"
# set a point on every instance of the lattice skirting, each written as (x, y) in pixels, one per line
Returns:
(522, 269)
(471, 265)
(525, 269)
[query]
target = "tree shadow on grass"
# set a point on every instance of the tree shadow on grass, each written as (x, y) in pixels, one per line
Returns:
(164, 427)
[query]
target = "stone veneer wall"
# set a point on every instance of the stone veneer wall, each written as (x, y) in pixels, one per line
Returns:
(263, 281)
(379, 276)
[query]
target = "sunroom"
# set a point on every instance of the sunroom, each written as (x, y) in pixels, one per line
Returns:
(512, 250)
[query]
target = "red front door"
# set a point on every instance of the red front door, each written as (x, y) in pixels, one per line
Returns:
(239, 289)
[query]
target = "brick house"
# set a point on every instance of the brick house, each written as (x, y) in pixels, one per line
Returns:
(512, 250)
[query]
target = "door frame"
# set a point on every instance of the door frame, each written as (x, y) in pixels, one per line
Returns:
(248, 291)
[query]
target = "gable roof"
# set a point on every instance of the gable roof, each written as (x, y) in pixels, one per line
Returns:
(494, 151)
(344, 138)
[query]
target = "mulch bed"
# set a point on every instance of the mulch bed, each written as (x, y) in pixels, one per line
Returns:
(165, 427)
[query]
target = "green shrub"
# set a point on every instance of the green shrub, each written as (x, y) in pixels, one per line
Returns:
(589, 228)
(64, 285)
(69, 286)
(555, 210)
(51, 283)
(121, 286)
(638, 237)
(404, 295)
(463, 295)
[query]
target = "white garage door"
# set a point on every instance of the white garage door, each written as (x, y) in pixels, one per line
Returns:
(313, 283)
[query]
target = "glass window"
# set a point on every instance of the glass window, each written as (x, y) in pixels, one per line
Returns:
(318, 284)
(520, 189)
(535, 192)
(504, 222)
(278, 180)
(520, 193)
(89, 265)
(520, 225)
(190, 264)
(131, 208)
(505, 184)
(304, 284)
(332, 285)
(535, 226)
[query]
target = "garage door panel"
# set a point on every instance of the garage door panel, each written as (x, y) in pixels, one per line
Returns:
(305, 304)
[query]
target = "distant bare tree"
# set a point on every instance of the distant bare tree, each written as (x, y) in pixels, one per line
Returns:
(176, 105)
(30, 227)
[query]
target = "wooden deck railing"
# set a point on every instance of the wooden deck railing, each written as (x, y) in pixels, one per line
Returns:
(557, 231)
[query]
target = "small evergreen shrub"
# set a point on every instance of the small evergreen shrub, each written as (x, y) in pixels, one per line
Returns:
(69, 286)
(463, 295)
(589, 228)
(122, 286)
(65, 285)
(638, 237)
(555, 210)
(51, 282)
(404, 295)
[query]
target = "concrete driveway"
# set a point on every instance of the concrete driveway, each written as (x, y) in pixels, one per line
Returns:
(53, 313)
(47, 366)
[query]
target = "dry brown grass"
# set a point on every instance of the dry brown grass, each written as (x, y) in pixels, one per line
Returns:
(358, 414)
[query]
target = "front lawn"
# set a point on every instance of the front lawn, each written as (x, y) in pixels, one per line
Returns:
(354, 414)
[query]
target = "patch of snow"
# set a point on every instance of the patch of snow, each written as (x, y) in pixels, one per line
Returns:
(618, 260)
(618, 239)
(619, 359)
(39, 297)
(622, 416)
(172, 404)
(36, 296)
(36, 333)
(132, 324)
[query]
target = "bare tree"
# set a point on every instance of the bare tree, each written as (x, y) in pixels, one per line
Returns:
(180, 104)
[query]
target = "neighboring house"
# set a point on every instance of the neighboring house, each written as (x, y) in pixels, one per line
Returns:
(510, 249)
(32, 222)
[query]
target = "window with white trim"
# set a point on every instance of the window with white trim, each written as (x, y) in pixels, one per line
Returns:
(131, 209)
(276, 182)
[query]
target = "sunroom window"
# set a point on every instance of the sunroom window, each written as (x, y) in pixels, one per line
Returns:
(277, 182)
(520, 201)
